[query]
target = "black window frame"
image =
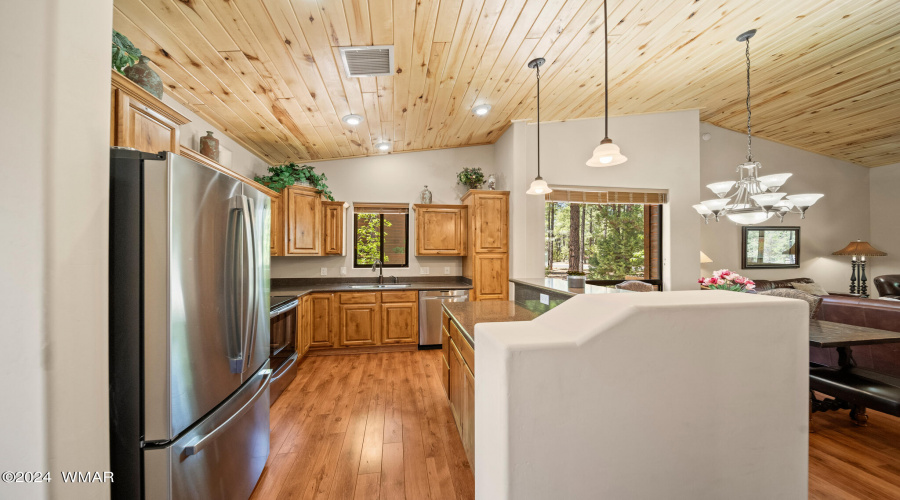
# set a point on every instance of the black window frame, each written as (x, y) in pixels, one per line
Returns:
(356, 264)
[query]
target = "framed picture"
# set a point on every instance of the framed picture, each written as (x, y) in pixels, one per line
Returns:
(776, 247)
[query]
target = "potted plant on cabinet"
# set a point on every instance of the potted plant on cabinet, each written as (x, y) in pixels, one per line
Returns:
(289, 174)
(472, 178)
(576, 279)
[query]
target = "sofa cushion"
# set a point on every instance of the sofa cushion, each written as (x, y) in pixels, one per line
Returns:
(790, 293)
(813, 288)
(763, 285)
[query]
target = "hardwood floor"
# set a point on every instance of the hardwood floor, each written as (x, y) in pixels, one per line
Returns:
(378, 426)
(366, 426)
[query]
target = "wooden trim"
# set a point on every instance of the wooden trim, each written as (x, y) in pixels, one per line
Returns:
(209, 162)
(135, 92)
(387, 208)
(342, 351)
(473, 192)
(420, 205)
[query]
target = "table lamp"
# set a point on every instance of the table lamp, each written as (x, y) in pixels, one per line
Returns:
(861, 249)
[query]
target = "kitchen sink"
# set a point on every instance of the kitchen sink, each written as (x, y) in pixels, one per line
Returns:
(393, 285)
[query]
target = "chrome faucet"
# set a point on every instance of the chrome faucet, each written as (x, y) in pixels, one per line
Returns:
(380, 266)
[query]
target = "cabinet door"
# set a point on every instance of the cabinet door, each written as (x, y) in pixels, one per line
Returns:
(321, 306)
(399, 323)
(303, 220)
(359, 324)
(304, 324)
(491, 222)
(457, 386)
(276, 241)
(441, 231)
(468, 415)
(491, 280)
(139, 126)
(333, 227)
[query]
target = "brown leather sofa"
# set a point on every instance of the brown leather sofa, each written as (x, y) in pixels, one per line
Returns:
(872, 313)
(888, 285)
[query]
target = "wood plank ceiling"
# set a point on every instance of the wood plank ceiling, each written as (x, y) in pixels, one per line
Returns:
(826, 74)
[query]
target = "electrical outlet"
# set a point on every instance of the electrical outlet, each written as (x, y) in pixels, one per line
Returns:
(324, 271)
(446, 270)
(545, 299)
(424, 270)
(343, 271)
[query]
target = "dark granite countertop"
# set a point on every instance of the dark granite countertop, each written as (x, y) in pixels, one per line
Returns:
(302, 286)
(562, 286)
(467, 314)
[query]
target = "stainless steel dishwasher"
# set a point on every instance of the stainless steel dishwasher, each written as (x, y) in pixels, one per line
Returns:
(430, 314)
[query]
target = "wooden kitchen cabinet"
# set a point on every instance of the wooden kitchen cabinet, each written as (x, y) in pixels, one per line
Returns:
(359, 322)
(141, 121)
(305, 325)
(332, 228)
(303, 209)
(276, 241)
(459, 366)
(399, 323)
(468, 415)
(321, 313)
(441, 230)
(457, 386)
(487, 260)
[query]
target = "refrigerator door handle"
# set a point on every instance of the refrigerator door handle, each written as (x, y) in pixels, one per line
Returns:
(234, 277)
(252, 286)
(198, 444)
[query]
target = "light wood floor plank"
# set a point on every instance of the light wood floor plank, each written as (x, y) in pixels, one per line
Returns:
(367, 486)
(392, 485)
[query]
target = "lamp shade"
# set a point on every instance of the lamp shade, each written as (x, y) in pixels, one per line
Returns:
(606, 154)
(716, 205)
(701, 209)
(860, 248)
(704, 259)
(721, 188)
(774, 181)
(539, 186)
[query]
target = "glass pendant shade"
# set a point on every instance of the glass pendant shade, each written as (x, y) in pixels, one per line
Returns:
(750, 218)
(716, 205)
(804, 200)
(721, 188)
(774, 181)
(701, 209)
(539, 186)
(784, 205)
(606, 155)
(767, 199)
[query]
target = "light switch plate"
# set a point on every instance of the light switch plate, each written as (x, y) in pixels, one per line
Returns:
(423, 270)
(343, 271)
(446, 270)
(545, 299)
(324, 271)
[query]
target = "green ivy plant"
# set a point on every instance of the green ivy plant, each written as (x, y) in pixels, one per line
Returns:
(124, 53)
(472, 178)
(288, 174)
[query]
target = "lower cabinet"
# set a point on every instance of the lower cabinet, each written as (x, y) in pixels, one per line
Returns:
(460, 385)
(304, 325)
(321, 312)
(359, 319)
(359, 324)
(399, 323)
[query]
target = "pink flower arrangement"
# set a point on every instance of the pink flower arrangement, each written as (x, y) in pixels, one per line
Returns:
(723, 279)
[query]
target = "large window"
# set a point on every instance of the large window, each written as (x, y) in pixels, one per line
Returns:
(611, 237)
(381, 231)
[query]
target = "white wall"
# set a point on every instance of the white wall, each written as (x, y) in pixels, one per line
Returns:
(391, 178)
(509, 157)
(54, 100)
(835, 220)
(242, 161)
(663, 153)
(884, 207)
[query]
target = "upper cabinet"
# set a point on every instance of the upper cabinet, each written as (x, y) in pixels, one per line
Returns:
(139, 120)
(276, 241)
(303, 212)
(441, 230)
(487, 260)
(332, 227)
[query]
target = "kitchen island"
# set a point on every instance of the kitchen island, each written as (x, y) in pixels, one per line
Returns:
(458, 368)
(539, 295)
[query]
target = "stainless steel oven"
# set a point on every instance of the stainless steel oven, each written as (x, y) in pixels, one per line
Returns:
(283, 343)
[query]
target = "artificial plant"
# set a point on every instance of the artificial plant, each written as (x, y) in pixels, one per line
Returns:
(473, 178)
(288, 174)
(124, 53)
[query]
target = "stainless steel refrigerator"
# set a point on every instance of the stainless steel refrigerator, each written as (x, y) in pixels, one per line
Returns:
(189, 329)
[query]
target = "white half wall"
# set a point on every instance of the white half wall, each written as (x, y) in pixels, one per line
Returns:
(884, 207)
(391, 178)
(54, 99)
(564, 409)
(242, 160)
(663, 153)
(838, 218)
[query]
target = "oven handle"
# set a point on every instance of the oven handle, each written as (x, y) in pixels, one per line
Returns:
(283, 308)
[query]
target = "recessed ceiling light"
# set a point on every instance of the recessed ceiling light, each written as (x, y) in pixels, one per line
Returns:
(352, 119)
(383, 146)
(481, 109)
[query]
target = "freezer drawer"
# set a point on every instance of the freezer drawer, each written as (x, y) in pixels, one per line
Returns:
(222, 456)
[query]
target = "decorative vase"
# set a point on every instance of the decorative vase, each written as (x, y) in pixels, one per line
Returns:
(576, 281)
(303, 182)
(492, 182)
(209, 146)
(426, 196)
(143, 75)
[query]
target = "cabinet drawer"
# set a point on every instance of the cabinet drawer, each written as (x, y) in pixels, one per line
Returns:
(465, 350)
(404, 296)
(359, 298)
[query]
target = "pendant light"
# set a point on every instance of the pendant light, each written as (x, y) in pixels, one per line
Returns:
(538, 185)
(607, 153)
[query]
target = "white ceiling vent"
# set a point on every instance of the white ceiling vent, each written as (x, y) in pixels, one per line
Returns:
(377, 60)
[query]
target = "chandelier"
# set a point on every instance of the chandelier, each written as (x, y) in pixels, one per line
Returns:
(753, 199)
